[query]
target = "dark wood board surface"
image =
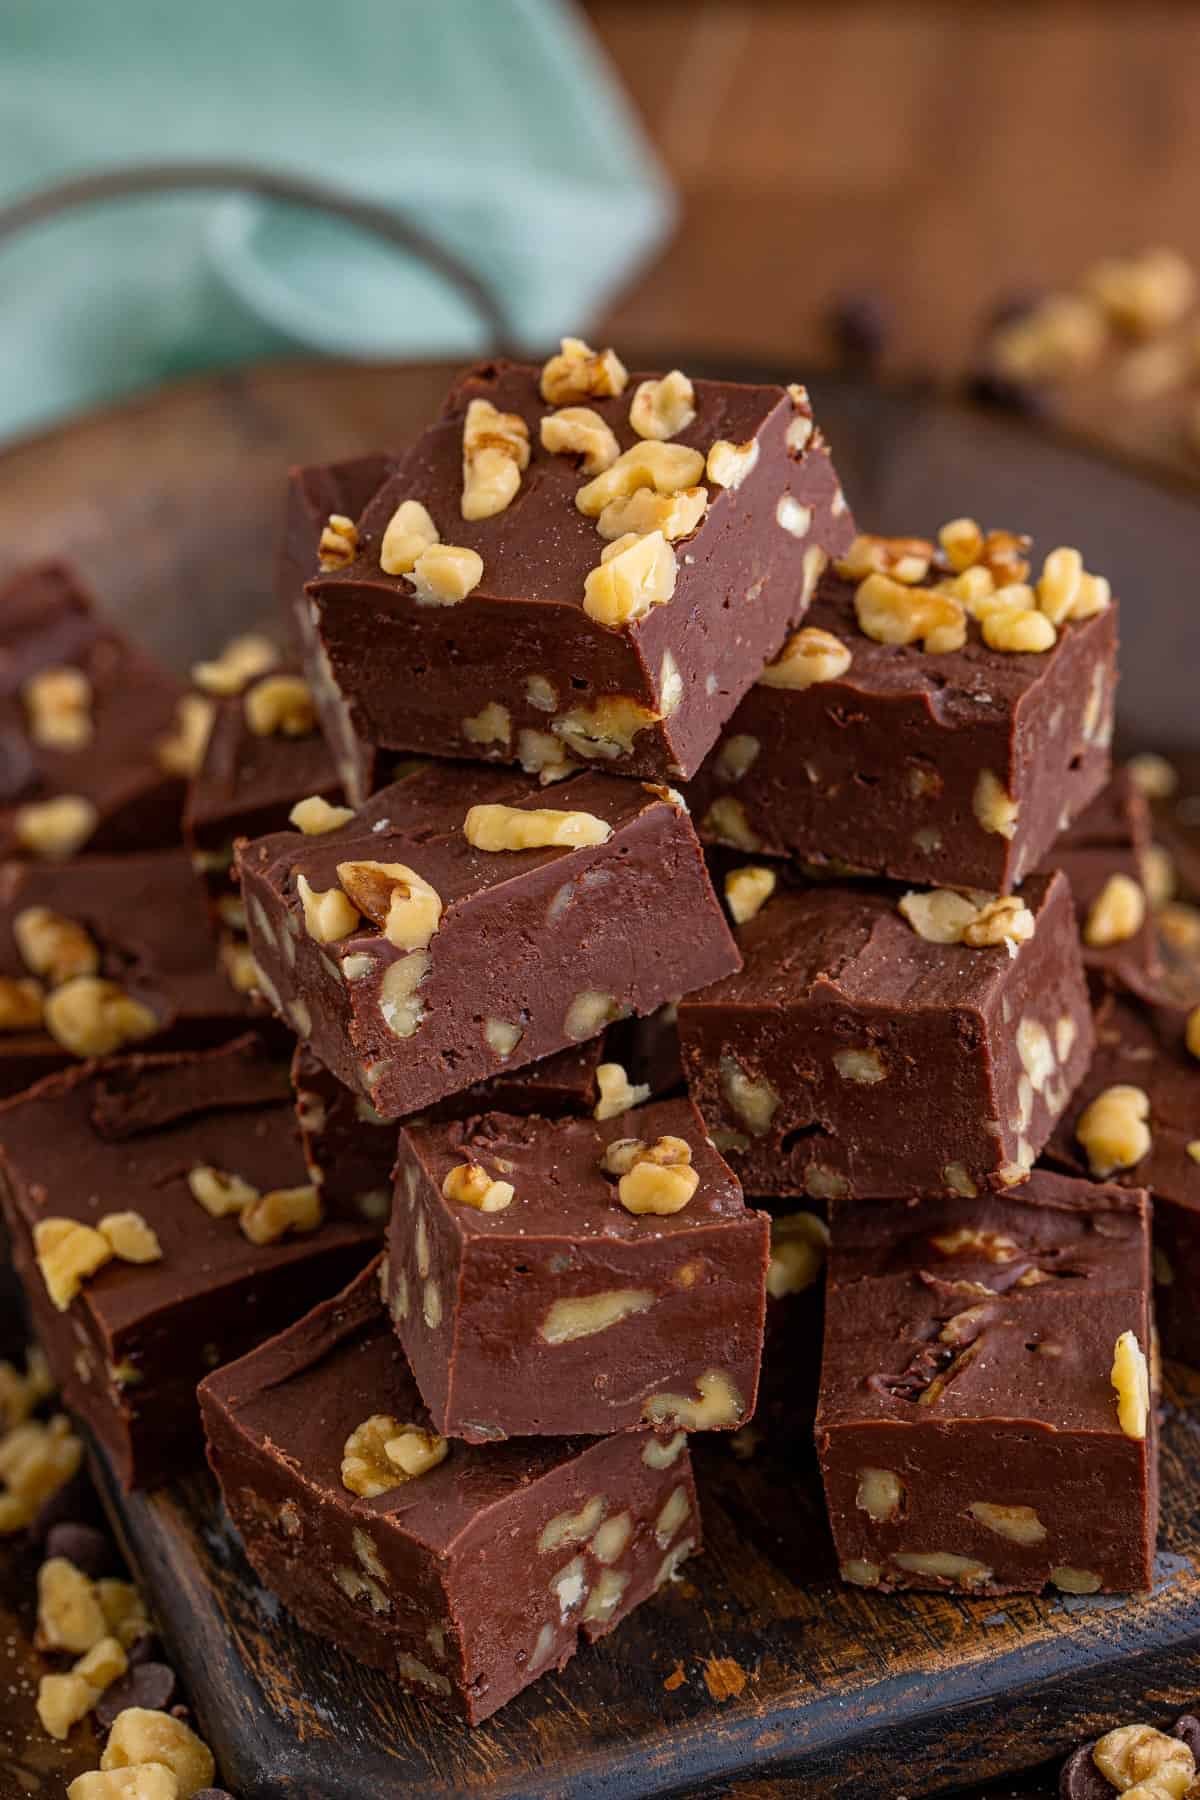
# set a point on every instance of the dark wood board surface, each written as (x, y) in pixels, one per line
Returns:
(170, 505)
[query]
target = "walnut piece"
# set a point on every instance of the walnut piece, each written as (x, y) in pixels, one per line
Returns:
(399, 1001)
(1061, 336)
(470, 1184)
(625, 586)
(55, 828)
(396, 898)
(1113, 1129)
(1020, 629)
(728, 465)
(381, 1454)
(69, 1616)
(905, 559)
(35, 1460)
(881, 1495)
(1019, 1523)
(583, 1315)
(810, 656)
(496, 828)
(218, 1191)
(181, 752)
(964, 1571)
(444, 574)
(54, 947)
(605, 729)
(572, 1527)
(21, 1004)
(67, 1252)
(717, 1403)
(1144, 294)
(58, 703)
(967, 1240)
(747, 891)
(943, 916)
(1138, 1756)
(266, 1218)
(994, 806)
(240, 661)
(578, 372)
(1152, 775)
(495, 456)
(675, 515)
(281, 706)
(129, 1237)
(754, 1103)
(407, 535)
(1116, 914)
(617, 1093)
(337, 545)
(329, 915)
(726, 821)
(63, 1700)
(799, 1244)
(315, 816)
(659, 1177)
(666, 468)
(891, 613)
(139, 1736)
(580, 431)
(661, 409)
(1131, 1380)
(92, 1017)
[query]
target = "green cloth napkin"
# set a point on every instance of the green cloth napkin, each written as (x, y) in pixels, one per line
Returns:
(496, 124)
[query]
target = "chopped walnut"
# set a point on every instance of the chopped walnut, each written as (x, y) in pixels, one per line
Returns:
(1152, 775)
(239, 662)
(624, 587)
(881, 1495)
(58, 703)
(964, 1571)
(584, 1315)
(578, 373)
(905, 559)
(92, 1017)
(280, 706)
(181, 752)
(865, 1067)
(1116, 914)
(666, 468)
(399, 1001)
(396, 898)
(617, 1093)
(495, 455)
(1113, 1129)
(659, 1178)
(799, 1243)
(35, 1461)
(967, 1240)
(21, 1004)
(1061, 336)
(736, 756)
(943, 916)
(1006, 920)
(607, 728)
(381, 1454)
(718, 1404)
(810, 656)
(218, 1191)
(961, 542)
(754, 1103)
(129, 1237)
(444, 574)
(589, 1012)
(994, 806)
(496, 828)
(1143, 295)
(470, 1184)
(792, 517)
(329, 914)
(662, 409)
(69, 1616)
(140, 1737)
(675, 515)
(54, 947)
(266, 1218)
(891, 613)
(315, 816)
(1192, 1031)
(1019, 1523)
(55, 828)
(67, 1253)
(580, 431)
(408, 534)
(1138, 1757)
(1131, 1380)
(1021, 630)
(728, 465)
(747, 891)
(726, 821)
(337, 545)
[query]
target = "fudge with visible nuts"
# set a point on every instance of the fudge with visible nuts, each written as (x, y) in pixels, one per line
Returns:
(876, 1046)
(87, 726)
(934, 758)
(586, 569)
(464, 1571)
(457, 927)
(1103, 855)
(985, 1378)
(549, 1277)
(162, 1222)
(1135, 1121)
(106, 953)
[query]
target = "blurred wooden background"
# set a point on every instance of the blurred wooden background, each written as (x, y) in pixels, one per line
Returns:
(947, 154)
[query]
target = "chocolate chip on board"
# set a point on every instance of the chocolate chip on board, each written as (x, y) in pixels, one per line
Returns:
(149, 1685)
(89, 1549)
(1081, 1779)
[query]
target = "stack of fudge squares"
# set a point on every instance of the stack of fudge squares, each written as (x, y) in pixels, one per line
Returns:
(626, 835)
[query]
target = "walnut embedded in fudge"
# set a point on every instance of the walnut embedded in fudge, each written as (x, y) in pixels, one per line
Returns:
(83, 714)
(1104, 854)
(963, 1338)
(626, 1236)
(1136, 1114)
(175, 1256)
(938, 719)
(484, 931)
(479, 1572)
(855, 1055)
(608, 535)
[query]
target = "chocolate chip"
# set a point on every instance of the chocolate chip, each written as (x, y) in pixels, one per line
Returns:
(151, 1685)
(987, 387)
(144, 1649)
(1187, 1727)
(1081, 1779)
(82, 1545)
(859, 325)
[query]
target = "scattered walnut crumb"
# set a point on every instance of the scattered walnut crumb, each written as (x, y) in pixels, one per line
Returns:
(578, 372)
(338, 543)
(239, 662)
(280, 705)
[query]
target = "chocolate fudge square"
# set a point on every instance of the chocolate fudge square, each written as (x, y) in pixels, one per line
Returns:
(105, 953)
(466, 1581)
(956, 767)
(149, 1135)
(852, 1056)
(350, 1149)
(1144, 1048)
(1103, 855)
(247, 784)
(518, 669)
(970, 1411)
(531, 1299)
(86, 718)
(497, 956)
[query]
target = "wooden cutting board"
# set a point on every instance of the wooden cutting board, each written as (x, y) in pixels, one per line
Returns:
(756, 1673)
